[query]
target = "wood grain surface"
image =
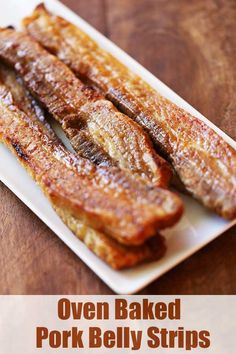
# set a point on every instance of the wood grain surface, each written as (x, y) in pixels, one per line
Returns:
(190, 45)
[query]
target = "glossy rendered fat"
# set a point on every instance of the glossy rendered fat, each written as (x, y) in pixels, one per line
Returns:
(118, 256)
(205, 163)
(96, 129)
(105, 198)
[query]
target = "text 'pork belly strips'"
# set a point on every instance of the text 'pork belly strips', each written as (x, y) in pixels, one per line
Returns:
(116, 255)
(96, 129)
(205, 163)
(104, 197)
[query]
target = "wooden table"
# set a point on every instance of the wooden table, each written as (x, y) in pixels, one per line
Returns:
(190, 46)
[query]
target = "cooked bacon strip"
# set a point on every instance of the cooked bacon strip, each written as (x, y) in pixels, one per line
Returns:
(205, 163)
(104, 198)
(116, 255)
(97, 130)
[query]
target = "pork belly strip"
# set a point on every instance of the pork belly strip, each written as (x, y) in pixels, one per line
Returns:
(104, 198)
(96, 129)
(205, 163)
(118, 256)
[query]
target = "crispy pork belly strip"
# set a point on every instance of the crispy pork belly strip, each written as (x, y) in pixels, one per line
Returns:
(96, 129)
(205, 163)
(104, 198)
(116, 255)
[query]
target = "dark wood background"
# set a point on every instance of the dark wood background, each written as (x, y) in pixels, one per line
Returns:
(190, 45)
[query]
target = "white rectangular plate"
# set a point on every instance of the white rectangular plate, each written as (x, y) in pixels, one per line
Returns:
(198, 226)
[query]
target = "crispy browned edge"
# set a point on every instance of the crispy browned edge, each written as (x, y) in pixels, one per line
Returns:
(116, 255)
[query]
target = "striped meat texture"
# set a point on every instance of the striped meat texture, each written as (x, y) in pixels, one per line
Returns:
(96, 129)
(204, 162)
(118, 256)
